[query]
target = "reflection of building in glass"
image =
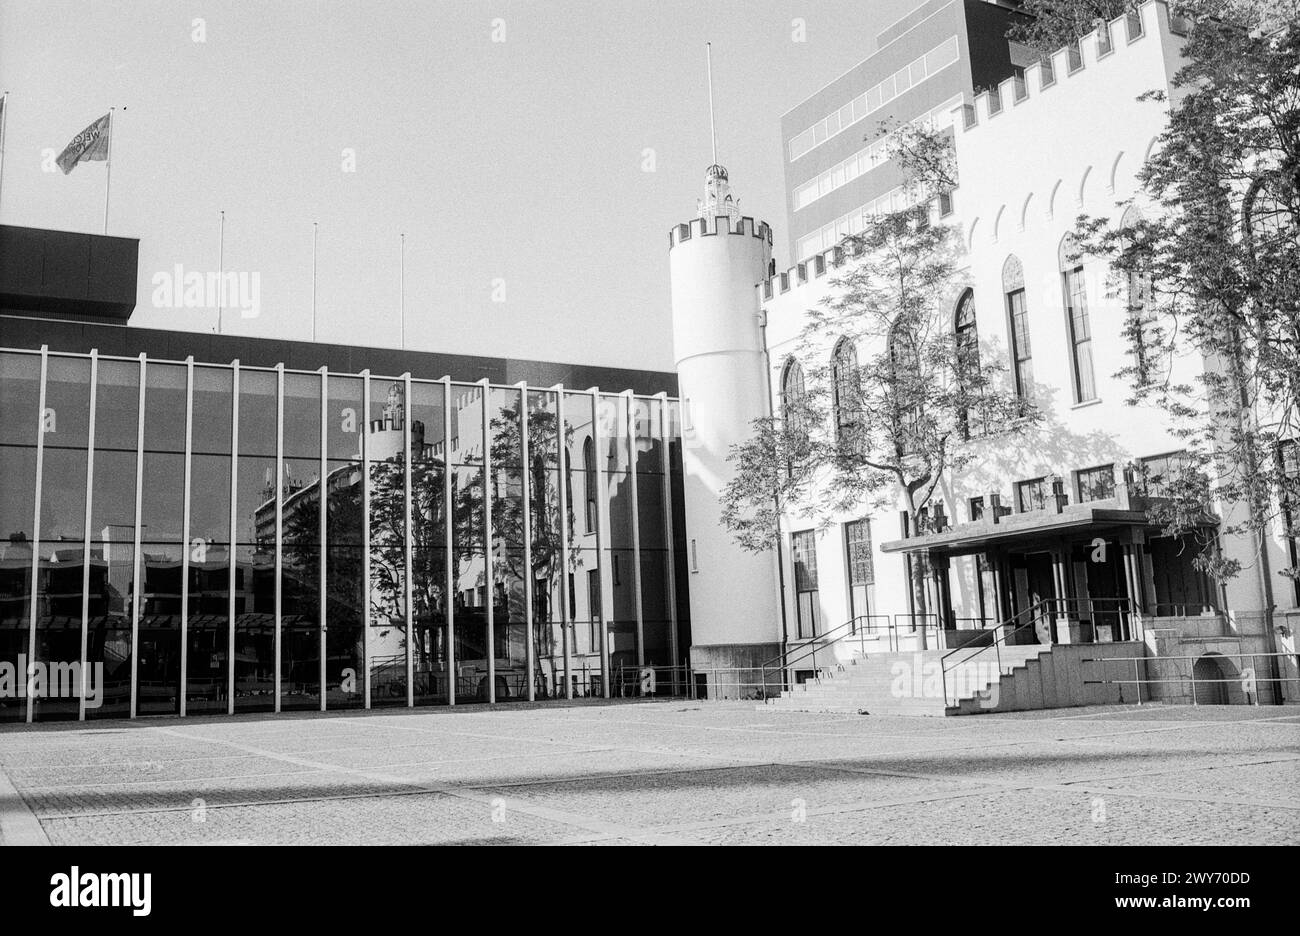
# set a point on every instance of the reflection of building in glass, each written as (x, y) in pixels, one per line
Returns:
(253, 537)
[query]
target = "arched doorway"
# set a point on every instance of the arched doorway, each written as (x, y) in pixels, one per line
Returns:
(1208, 675)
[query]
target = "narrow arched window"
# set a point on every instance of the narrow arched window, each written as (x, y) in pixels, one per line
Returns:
(1139, 294)
(568, 483)
(1022, 358)
(847, 391)
(906, 382)
(1077, 320)
(589, 472)
(967, 339)
(792, 406)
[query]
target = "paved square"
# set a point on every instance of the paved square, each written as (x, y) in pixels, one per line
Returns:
(660, 772)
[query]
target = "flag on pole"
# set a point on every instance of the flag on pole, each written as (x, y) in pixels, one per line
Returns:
(89, 144)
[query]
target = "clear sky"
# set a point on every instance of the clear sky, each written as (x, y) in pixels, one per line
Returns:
(520, 161)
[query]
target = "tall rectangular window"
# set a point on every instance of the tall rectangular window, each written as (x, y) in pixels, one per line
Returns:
(1021, 353)
(862, 573)
(1076, 303)
(804, 547)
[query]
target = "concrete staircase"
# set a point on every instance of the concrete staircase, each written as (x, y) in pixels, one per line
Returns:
(909, 683)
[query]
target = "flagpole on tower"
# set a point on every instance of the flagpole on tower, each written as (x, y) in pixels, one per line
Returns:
(713, 133)
(221, 271)
(108, 168)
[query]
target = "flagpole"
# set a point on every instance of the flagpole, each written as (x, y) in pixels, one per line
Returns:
(313, 281)
(221, 271)
(4, 120)
(108, 169)
(403, 290)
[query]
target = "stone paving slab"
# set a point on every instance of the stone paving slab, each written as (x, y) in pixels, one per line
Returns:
(659, 772)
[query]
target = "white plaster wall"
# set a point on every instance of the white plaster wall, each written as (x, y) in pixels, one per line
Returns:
(722, 384)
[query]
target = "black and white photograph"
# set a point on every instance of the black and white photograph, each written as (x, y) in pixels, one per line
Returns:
(651, 422)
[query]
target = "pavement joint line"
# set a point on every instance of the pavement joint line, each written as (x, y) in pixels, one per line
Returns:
(298, 773)
(18, 823)
(471, 794)
(831, 809)
(1068, 785)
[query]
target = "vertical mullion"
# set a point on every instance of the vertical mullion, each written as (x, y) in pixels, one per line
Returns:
(603, 561)
(33, 603)
(449, 591)
(85, 533)
(408, 540)
(670, 567)
(185, 532)
(279, 522)
(630, 427)
(527, 494)
(364, 442)
(232, 547)
(490, 633)
(562, 459)
(137, 547)
(322, 625)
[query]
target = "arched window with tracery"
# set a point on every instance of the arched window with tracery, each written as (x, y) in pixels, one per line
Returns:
(967, 339)
(793, 398)
(1022, 357)
(1077, 320)
(1139, 294)
(905, 366)
(846, 388)
(589, 482)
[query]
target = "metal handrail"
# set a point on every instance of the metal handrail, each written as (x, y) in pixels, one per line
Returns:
(998, 635)
(860, 627)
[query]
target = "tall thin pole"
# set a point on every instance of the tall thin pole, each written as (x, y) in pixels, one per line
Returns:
(713, 133)
(221, 271)
(108, 168)
(4, 119)
(313, 281)
(402, 290)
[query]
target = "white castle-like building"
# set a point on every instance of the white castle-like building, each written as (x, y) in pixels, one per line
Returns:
(1049, 584)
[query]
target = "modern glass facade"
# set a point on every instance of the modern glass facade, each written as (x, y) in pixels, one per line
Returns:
(209, 539)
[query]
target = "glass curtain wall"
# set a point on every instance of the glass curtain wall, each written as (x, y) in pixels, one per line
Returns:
(308, 540)
(299, 492)
(585, 588)
(162, 543)
(207, 599)
(429, 594)
(469, 564)
(255, 579)
(345, 561)
(54, 684)
(112, 536)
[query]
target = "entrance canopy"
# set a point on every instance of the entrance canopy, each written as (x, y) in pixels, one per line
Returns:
(1020, 529)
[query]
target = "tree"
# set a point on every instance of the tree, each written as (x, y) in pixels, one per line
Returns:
(1054, 24)
(1211, 264)
(912, 403)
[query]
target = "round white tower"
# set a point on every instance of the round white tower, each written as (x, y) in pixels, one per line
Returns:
(716, 260)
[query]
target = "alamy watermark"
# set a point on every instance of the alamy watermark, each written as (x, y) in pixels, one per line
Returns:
(55, 680)
(179, 288)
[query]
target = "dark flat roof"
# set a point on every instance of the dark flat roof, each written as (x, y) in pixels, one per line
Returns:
(125, 341)
(975, 537)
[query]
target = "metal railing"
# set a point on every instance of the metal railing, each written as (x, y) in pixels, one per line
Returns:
(862, 628)
(1247, 678)
(1092, 612)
